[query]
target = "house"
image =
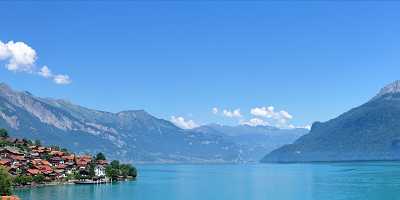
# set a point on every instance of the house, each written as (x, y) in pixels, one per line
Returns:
(102, 162)
(7, 152)
(33, 172)
(57, 153)
(56, 160)
(5, 162)
(100, 171)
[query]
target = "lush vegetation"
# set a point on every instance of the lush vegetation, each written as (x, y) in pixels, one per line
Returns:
(5, 182)
(3, 133)
(116, 171)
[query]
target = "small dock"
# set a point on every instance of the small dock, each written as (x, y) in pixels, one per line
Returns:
(91, 182)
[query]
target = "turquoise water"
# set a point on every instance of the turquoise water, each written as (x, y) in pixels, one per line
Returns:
(350, 181)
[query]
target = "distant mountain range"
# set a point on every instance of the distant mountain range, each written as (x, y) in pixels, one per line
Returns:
(133, 135)
(368, 132)
(254, 141)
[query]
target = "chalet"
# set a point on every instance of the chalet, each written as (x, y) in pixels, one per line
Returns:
(34, 155)
(57, 153)
(7, 152)
(100, 171)
(102, 162)
(56, 160)
(5, 162)
(33, 172)
(44, 169)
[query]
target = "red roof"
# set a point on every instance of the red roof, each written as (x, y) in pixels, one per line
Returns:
(61, 166)
(44, 168)
(19, 158)
(4, 161)
(70, 157)
(33, 171)
(102, 162)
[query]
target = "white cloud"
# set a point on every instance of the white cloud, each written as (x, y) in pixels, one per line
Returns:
(279, 119)
(235, 113)
(62, 79)
(215, 110)
(263, 111)
(255, 122)
(183, 123)
(45, 72)
(20, 57)
(285, 115)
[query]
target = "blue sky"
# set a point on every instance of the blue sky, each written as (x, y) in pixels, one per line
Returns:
(313, 60)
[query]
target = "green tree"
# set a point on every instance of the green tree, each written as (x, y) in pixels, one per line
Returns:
(39, 178)
(100, 156)
(128, 170)
(22, 180)
(3, 133)
(38, 143)
(112, 173)
(92, 172)
(115, 164)
(5, 182)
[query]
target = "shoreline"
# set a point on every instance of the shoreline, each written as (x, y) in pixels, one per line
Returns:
(33, 186)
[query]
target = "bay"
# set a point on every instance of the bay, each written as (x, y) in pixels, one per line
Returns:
(327, 181)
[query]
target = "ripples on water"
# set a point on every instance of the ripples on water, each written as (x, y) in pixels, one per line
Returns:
(334, 181)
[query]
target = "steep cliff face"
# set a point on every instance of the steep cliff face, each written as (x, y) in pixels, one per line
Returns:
(368, 132)
(128, 135)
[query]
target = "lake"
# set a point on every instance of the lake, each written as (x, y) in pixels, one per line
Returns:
(325, 181)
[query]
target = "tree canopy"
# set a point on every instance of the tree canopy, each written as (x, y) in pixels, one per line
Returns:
(3, 133)
(116, 170)
(5, 182)
(100, 156)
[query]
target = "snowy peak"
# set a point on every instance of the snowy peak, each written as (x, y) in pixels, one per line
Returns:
(390, 89)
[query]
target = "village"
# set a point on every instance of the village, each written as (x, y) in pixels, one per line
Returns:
(30, 164)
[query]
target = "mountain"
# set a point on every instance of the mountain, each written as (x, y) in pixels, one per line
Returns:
(254, 141)
(129, 135)
(368, 132)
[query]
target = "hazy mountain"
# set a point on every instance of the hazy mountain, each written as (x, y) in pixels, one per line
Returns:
(254, 141)
(368, 132)
(128, 135)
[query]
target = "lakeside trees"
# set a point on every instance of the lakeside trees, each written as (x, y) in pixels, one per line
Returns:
(116, 171)
(5, 182)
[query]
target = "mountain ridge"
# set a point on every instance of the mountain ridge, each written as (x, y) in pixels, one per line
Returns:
(370, 131)
(132, 135)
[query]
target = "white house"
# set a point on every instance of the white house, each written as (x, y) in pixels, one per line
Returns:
(99, 170)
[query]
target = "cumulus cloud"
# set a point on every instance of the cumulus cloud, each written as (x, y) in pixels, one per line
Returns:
(263, 111)
(214, 110)
(62, 79)
(20, 57)
(45, 72)
(232, 114)
(278, 118)
(183, 123)
(255, 122)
